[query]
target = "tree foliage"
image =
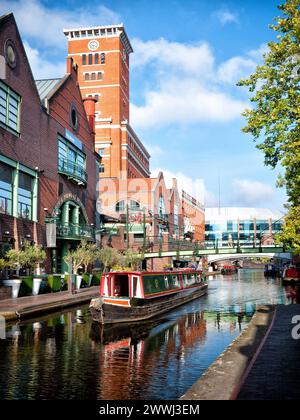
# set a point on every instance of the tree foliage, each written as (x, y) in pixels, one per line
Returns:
(109, 258)
(290, 235)
(133, 259)
(85, 254)
(274, 120)
(28, 257)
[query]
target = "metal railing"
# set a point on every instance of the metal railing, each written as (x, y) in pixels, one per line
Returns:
(156, 243)
(72, 170)
(76, 232)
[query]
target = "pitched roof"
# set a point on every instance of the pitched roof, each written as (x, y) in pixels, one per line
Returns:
(46, 86)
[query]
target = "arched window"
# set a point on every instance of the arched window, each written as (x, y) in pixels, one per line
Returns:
(120, 206)
(134, 205)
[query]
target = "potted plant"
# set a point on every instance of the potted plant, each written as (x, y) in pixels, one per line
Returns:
(29, 257)
(90, 254)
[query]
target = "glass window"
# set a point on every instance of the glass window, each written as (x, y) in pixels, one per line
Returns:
(90, 59)
(25, 196)
(96, 58)
(101, 168)
(93, 76)
(86, 76)
(6, 174)
(84, 60)
(9, 107)
(71, 160)
(101, 152)
(103, 58)
(120, 206)
(99, 75)
(134, 205)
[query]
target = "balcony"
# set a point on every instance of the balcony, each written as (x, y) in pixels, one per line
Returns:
(73, 171)
(75, 232)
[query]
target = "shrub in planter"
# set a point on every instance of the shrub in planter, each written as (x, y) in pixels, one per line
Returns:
(96, 279)
(84, 255)
(85, 280)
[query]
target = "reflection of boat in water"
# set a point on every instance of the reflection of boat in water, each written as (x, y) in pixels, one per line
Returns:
(138, 296)
(120, 334)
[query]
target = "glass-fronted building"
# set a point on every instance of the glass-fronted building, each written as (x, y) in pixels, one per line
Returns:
(244, 226)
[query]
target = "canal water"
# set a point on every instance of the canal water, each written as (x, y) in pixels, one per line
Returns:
(66, 356)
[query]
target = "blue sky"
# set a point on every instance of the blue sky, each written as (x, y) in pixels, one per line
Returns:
(184, 102)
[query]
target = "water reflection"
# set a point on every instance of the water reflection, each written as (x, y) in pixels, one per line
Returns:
(67, 356)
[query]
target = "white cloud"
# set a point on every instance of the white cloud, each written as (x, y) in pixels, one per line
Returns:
(185, 102)
(188, 58)
(195, 187)
(45, 24)
(43, 69)
(186, 86)
(251, 193)
(154, 150)
(225, 16)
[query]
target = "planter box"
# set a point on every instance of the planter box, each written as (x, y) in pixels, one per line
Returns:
(54, 283)
(87, 280)
(15, 285)
(78, 281)
(26, 286)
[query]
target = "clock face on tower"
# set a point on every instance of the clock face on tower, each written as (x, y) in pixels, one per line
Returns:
(93, 45)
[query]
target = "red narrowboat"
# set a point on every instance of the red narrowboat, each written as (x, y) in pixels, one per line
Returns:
(291, 275)
(229, 269)
(138, 296)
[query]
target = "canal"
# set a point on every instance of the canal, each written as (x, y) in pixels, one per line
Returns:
(66, 356)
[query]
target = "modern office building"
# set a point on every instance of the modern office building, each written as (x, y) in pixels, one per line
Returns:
(230, 226)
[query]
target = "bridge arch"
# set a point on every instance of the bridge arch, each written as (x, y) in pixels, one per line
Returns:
(234, 257)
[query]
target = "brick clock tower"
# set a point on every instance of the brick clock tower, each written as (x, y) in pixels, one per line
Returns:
(102, 55)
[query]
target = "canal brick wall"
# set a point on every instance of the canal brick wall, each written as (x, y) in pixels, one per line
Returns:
(223, 378)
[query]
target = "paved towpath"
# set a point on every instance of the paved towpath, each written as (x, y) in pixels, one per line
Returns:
(275, 374)
(26, 307)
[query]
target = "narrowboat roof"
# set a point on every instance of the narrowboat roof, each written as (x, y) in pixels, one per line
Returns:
(145, 273)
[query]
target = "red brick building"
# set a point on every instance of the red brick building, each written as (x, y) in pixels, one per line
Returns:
(102, 54)
(48, 167)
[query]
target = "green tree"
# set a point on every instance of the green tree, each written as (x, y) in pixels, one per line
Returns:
(109, 258)
(29, 257)
(133, 259)
(290, 236)
(274, 120)
(85, 254)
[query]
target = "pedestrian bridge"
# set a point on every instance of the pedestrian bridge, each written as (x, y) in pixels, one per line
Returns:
(235, 257)
(214, 253)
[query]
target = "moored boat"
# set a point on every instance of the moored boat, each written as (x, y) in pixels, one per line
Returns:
(291, 275)
(229, 269)
(137, 296)
(271, 270)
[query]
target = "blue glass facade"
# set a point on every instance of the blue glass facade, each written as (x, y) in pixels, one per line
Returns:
(245, 232)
